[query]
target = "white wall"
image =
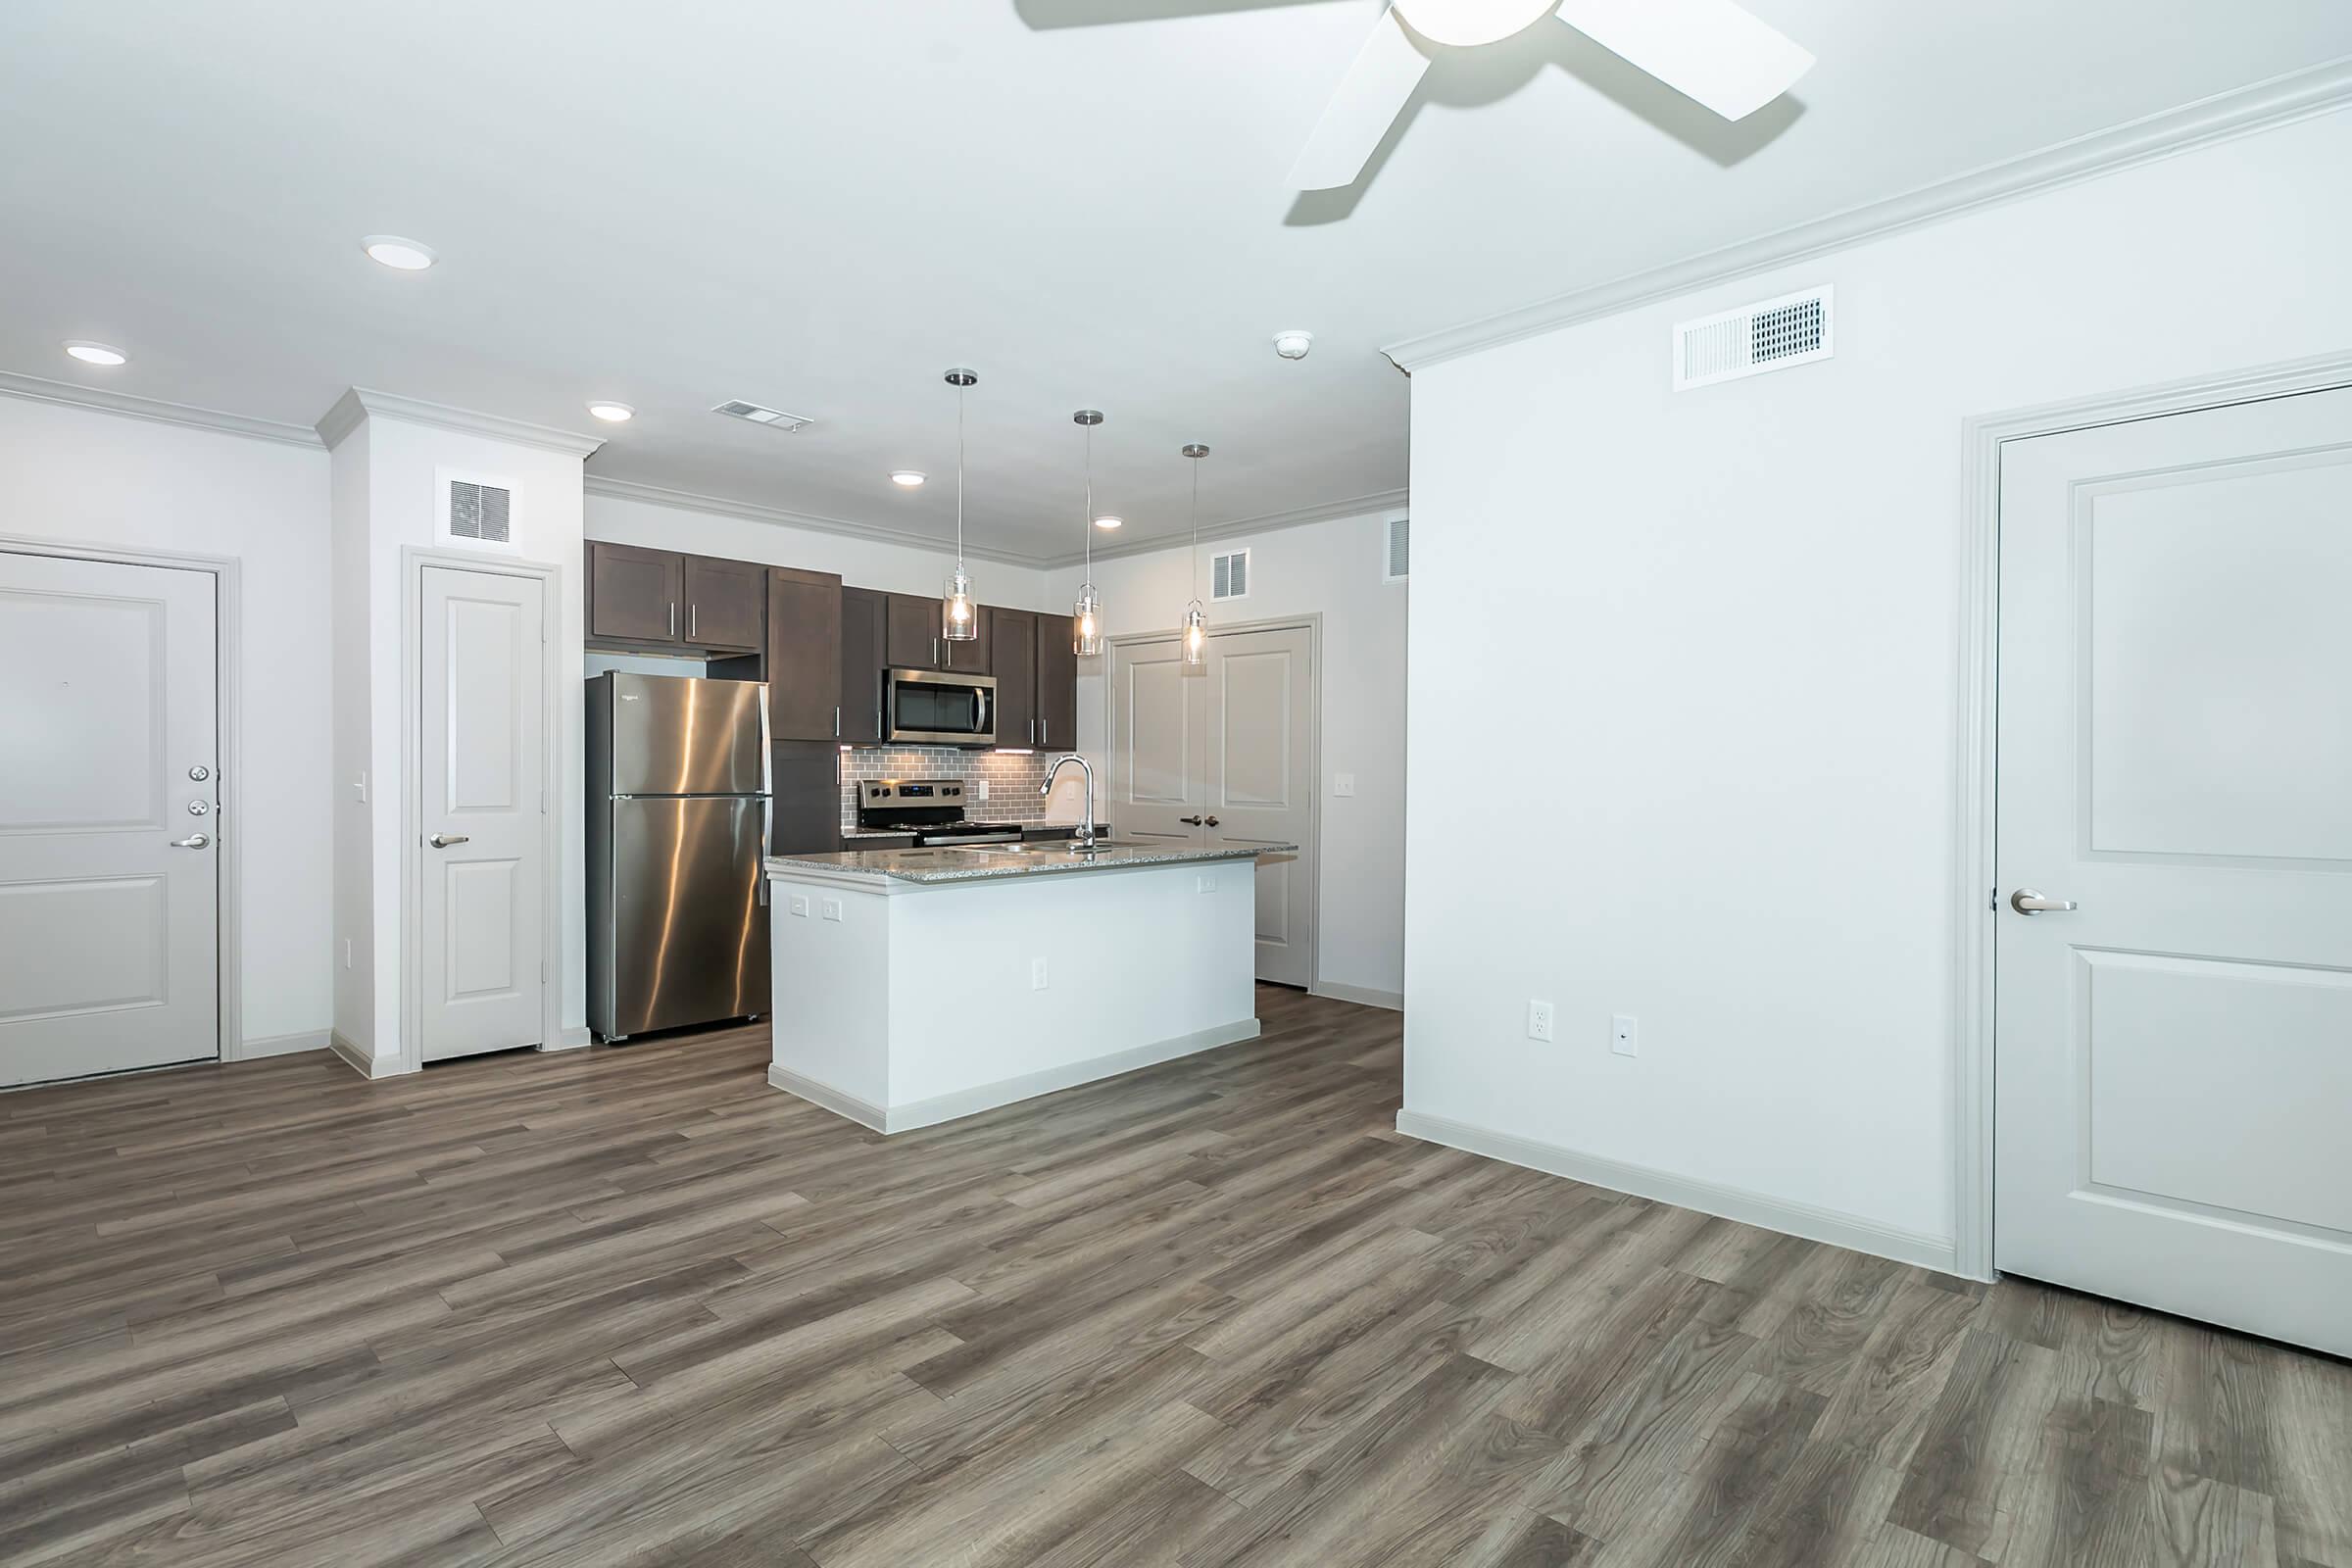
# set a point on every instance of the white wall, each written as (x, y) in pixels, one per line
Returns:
(862, 562)
(77, 477)
(1333, 567)
(1724, 627)
(396, 465)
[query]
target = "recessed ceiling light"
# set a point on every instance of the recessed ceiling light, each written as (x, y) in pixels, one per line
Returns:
(906, 479)
(612, 412)
(1109, 522)
(404, 255)
(96, 354)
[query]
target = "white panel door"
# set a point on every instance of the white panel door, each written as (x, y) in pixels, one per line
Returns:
(1258, 722)
(1158, 761)
(2175, 1054)
(109, 819)
(480, 812)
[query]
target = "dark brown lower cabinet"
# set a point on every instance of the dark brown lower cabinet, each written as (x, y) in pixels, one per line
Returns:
(806, 813)
(1012, 634)
(865, 654)
(1057, 684)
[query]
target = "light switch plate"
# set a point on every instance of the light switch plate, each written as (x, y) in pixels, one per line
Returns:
(1036, 974)
(1342, 785)
(832, 908)
(1205, 882)
(800, 905)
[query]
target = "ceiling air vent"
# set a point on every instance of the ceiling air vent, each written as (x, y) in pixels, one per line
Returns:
(478, 512)
(1229, 575)
(1771, 335)
(760, 413)
(1399, 562)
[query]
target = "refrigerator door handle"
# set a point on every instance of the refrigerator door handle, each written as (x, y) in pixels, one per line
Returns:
(767, 841)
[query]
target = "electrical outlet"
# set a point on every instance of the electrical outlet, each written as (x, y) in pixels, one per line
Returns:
(980, 789)
(1036, 974)
(1624, 1035)
(1539, 1021)
(1205, 882)
(832, 908)
(799, 904)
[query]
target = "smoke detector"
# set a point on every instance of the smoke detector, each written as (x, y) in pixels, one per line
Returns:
(1293, 344)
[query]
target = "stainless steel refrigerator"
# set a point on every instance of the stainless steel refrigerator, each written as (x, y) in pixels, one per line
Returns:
(678, 812)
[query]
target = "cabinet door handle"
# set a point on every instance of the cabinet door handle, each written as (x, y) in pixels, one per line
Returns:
(674, 617)
(837, 722)
(694, 619)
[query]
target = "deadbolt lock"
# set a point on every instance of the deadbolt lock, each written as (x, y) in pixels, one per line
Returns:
(198, 808)
(200, 773)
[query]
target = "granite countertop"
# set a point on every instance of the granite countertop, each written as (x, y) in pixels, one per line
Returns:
(881, 867)
(849, 833)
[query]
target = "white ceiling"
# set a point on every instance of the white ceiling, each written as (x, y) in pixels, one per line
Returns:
(822, 204)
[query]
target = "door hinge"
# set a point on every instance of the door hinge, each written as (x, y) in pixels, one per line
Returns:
(543, 803)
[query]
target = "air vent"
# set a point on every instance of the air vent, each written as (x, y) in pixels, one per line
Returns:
(1398, 563)
(478, 512)
(760, 413)
(1229, 575)
(1770, 335)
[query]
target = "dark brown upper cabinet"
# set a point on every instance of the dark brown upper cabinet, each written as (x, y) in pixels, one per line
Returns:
(634, 593)
(1057, 684)
(661, 600)
(914, 634)
(865, 654)
(804, 655)
(726, 604)
(1013, 641)
(915, 641)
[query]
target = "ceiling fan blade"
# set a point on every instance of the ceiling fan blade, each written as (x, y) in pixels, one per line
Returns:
(1366, 103)
(1709, 50)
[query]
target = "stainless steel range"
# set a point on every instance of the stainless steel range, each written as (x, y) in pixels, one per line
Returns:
(931, 808)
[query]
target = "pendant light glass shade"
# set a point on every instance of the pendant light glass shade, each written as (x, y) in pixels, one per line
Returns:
(1196, 618)
(959, 616)
(1086, 614)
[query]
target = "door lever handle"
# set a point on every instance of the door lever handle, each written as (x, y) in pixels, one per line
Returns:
(442, 841)
(194, 841)
(1212, 821)
(2025, 901)
(1191, 821)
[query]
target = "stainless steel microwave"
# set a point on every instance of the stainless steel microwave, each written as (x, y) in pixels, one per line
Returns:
(930, 707)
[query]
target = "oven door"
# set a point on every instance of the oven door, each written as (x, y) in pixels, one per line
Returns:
(931, 708)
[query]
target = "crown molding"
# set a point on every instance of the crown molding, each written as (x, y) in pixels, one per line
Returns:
(1297, 517)
(360, 401)
(754, 511)
(34, 389)
(2241, 111)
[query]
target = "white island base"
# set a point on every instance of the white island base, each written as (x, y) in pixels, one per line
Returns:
(902, 1004)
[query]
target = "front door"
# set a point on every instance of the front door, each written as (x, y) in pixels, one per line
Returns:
(481, 808)
(1224, 755)
(2175, 1048)
(109, 817)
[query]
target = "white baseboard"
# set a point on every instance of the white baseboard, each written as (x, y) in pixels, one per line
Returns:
(283, 1045)
(831, 1098)
(572, 1039)
(360, 1062)
(1365, 996)
(1839, 1229)
(1006, 1091)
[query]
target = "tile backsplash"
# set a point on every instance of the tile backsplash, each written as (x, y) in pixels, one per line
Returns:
(1013, 778)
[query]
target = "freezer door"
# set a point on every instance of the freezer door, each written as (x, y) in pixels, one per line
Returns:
(689, 924)
(685, 735)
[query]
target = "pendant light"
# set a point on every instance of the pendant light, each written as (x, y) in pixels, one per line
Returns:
(1195, 619)
(1086, 615)
(959, 618)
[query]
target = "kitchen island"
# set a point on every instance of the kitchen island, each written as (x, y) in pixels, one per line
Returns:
(915, 986)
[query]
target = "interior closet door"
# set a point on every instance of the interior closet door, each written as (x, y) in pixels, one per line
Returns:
(1159, 773)
(1258, 785)
(2175, 1014)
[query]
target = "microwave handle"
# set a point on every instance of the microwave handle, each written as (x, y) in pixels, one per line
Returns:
(980, 725)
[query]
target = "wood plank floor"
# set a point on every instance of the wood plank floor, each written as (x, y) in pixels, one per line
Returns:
(633, 1306)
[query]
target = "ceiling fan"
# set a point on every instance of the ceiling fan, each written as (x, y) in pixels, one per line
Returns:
(1710, 51)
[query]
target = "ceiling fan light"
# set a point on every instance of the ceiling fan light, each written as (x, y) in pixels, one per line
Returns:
(1467, 23)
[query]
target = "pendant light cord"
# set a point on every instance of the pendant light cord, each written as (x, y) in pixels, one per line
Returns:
(1088, 522)
(1196, 560)
(959, 481)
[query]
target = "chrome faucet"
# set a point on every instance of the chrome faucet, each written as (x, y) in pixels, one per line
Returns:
(1084, 838)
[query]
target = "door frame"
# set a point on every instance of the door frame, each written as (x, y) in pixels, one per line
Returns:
(1311, 623)
(228, 945)
(1974, 1043)
(414, 560)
